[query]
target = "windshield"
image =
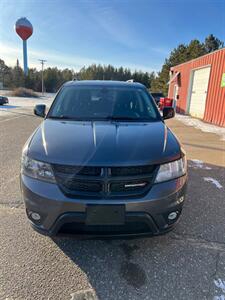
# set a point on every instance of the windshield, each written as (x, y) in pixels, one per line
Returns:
(100, 103)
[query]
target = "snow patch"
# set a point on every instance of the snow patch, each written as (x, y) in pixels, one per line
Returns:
(198, 164)
(205, 127)
(28, 102)
(221, 297)
(17, 104)
(215, 182)
(219, 283)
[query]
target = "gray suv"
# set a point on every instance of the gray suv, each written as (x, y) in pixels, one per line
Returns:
(103, 163)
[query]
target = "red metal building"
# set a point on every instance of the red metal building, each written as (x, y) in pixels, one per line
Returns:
(199, 87)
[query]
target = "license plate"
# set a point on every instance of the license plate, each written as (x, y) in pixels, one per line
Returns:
(105, 215)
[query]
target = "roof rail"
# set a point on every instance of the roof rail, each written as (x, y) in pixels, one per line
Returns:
(130, 80)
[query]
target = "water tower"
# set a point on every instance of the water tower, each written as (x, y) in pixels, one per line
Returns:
(24, 29)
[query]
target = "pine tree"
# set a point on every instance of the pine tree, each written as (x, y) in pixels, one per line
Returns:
(212, 43)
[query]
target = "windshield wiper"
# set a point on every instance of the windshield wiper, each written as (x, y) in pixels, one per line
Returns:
(112, 118)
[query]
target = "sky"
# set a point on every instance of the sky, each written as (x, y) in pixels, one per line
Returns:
(138, 34)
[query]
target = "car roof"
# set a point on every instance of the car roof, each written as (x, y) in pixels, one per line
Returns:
(108, 83)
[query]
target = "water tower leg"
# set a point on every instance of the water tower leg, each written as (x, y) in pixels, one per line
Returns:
(25, 68)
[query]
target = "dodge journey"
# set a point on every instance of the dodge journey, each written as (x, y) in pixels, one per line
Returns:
(103, 163)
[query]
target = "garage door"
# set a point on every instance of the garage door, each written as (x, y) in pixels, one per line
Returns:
(199, 92)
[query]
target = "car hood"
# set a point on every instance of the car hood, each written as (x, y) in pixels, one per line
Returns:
(103, 143)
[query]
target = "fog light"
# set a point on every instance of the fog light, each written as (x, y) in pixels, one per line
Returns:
(35, 216)
(172, 215)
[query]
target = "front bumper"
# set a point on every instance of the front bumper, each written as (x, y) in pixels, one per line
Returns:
(146, 215)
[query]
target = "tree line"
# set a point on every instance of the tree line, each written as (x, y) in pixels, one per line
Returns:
(13, 77)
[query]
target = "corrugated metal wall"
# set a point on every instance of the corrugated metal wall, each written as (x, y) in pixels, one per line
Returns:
(215, 101)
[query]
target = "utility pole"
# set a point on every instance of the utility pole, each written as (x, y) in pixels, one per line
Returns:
(42, 74)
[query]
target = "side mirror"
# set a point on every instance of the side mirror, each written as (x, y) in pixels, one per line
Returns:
(168, 112)
(39, 110)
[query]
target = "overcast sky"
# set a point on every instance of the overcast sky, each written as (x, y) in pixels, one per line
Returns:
(136, 34)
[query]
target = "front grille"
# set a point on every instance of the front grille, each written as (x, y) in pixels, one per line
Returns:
(127, 228)
(104, 182)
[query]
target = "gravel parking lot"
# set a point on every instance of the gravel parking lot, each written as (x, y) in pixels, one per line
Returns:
(188, 263)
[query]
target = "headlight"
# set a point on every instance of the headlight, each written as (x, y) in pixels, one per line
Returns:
(37, 169)
(172, 170)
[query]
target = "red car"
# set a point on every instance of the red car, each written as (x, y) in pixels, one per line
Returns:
(165, 102)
